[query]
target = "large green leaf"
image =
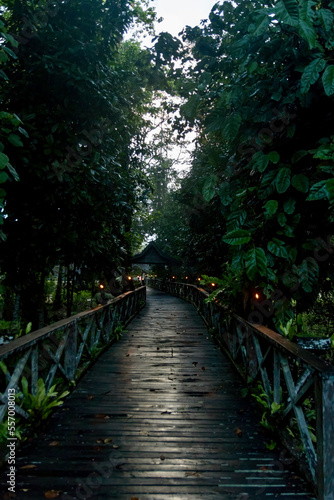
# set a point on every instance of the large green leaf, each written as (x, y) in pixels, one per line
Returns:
(237, 237)
(300, 182)
(306, 10)
(260, 161)
(282, 180)
(224, 193)
(328, 80)
(277, 247)
(232, 126)
(271, 207)
(311, 74)
(15, 140)
(318, 191)
(287, 12)
(326, 17)
(3, 160)
(261, 26)
(307, 31)
(308, 273)
(289, 206)
(209, 188)
(255, 262)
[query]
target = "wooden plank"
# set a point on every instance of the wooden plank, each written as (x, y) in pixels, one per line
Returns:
(159, 416)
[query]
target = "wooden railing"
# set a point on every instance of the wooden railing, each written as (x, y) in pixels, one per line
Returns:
(65, 349)
(297, 387)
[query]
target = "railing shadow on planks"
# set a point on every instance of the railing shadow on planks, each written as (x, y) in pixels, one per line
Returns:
(298, 386)
(65, 349)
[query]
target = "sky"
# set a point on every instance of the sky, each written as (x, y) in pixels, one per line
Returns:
(179, 13)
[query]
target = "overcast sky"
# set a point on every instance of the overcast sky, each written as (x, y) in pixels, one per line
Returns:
(179, 13)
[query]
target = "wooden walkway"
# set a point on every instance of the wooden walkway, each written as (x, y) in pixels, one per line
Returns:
(159, 417)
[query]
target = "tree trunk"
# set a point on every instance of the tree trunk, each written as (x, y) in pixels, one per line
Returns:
(58, 296)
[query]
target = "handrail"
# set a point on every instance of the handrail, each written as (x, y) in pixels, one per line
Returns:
(297, 384)
(65, 349)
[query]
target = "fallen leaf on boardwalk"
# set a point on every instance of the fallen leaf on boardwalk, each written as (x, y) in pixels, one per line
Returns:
(195, 363)
(30, 466)
(158, 348)
(108, 440)
(238, 432)
(203, 368)
(169, 378)
(127, 355)
(97, 448)
(166, 413)
(54, 443)
(134, 498)
(162, 457)
(25, 490)
(264, 468)
(101, 415)
(52, 494)
(91, 397)
(196, 474)
(115, 446)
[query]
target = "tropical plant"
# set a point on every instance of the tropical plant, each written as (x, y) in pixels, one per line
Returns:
(261, 96)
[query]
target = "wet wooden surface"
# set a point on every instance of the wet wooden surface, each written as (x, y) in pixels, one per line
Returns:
(160, 416)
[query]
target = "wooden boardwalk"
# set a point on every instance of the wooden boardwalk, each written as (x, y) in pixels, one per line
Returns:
(159, 417)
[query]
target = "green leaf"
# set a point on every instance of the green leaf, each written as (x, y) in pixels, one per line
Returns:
(209, 188)
(287, 12)
(13, 172)
(260, 161)
(10, 39)
(3, 160)
(255, 262)
(261, 26)
(318, 191)
(281, 219)
(274, 157)
(326, 17)
(237, 237)
(224, 193)
(9, 52)
(306, 11)
(311, 74)
(3, 177)
(307, 31)
(15, 140)
(298, 155)
(328, 80)
(308, 273)
(270, 207)
(232, 126)
(289, 206)
(277, 247)
(3, 75)
(190, 108)
(282, 180)
(300, 182)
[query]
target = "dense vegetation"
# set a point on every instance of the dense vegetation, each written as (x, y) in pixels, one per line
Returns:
(259, 197)
(73, 98)
(255, 210)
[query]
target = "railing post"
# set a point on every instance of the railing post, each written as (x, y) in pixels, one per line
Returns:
(70, 364)
(325, 435)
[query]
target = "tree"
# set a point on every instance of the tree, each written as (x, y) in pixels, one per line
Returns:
(81, 93)
(262, 99)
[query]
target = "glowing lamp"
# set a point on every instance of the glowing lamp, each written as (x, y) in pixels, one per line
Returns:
(257, 296)
(101, 286)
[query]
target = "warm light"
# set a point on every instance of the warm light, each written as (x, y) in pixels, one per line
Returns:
(156, 275)
(101, 286)
(129, 278)
(213, 284)
(173, 277)
(186, 277)
(199, 279)
(257, 296)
